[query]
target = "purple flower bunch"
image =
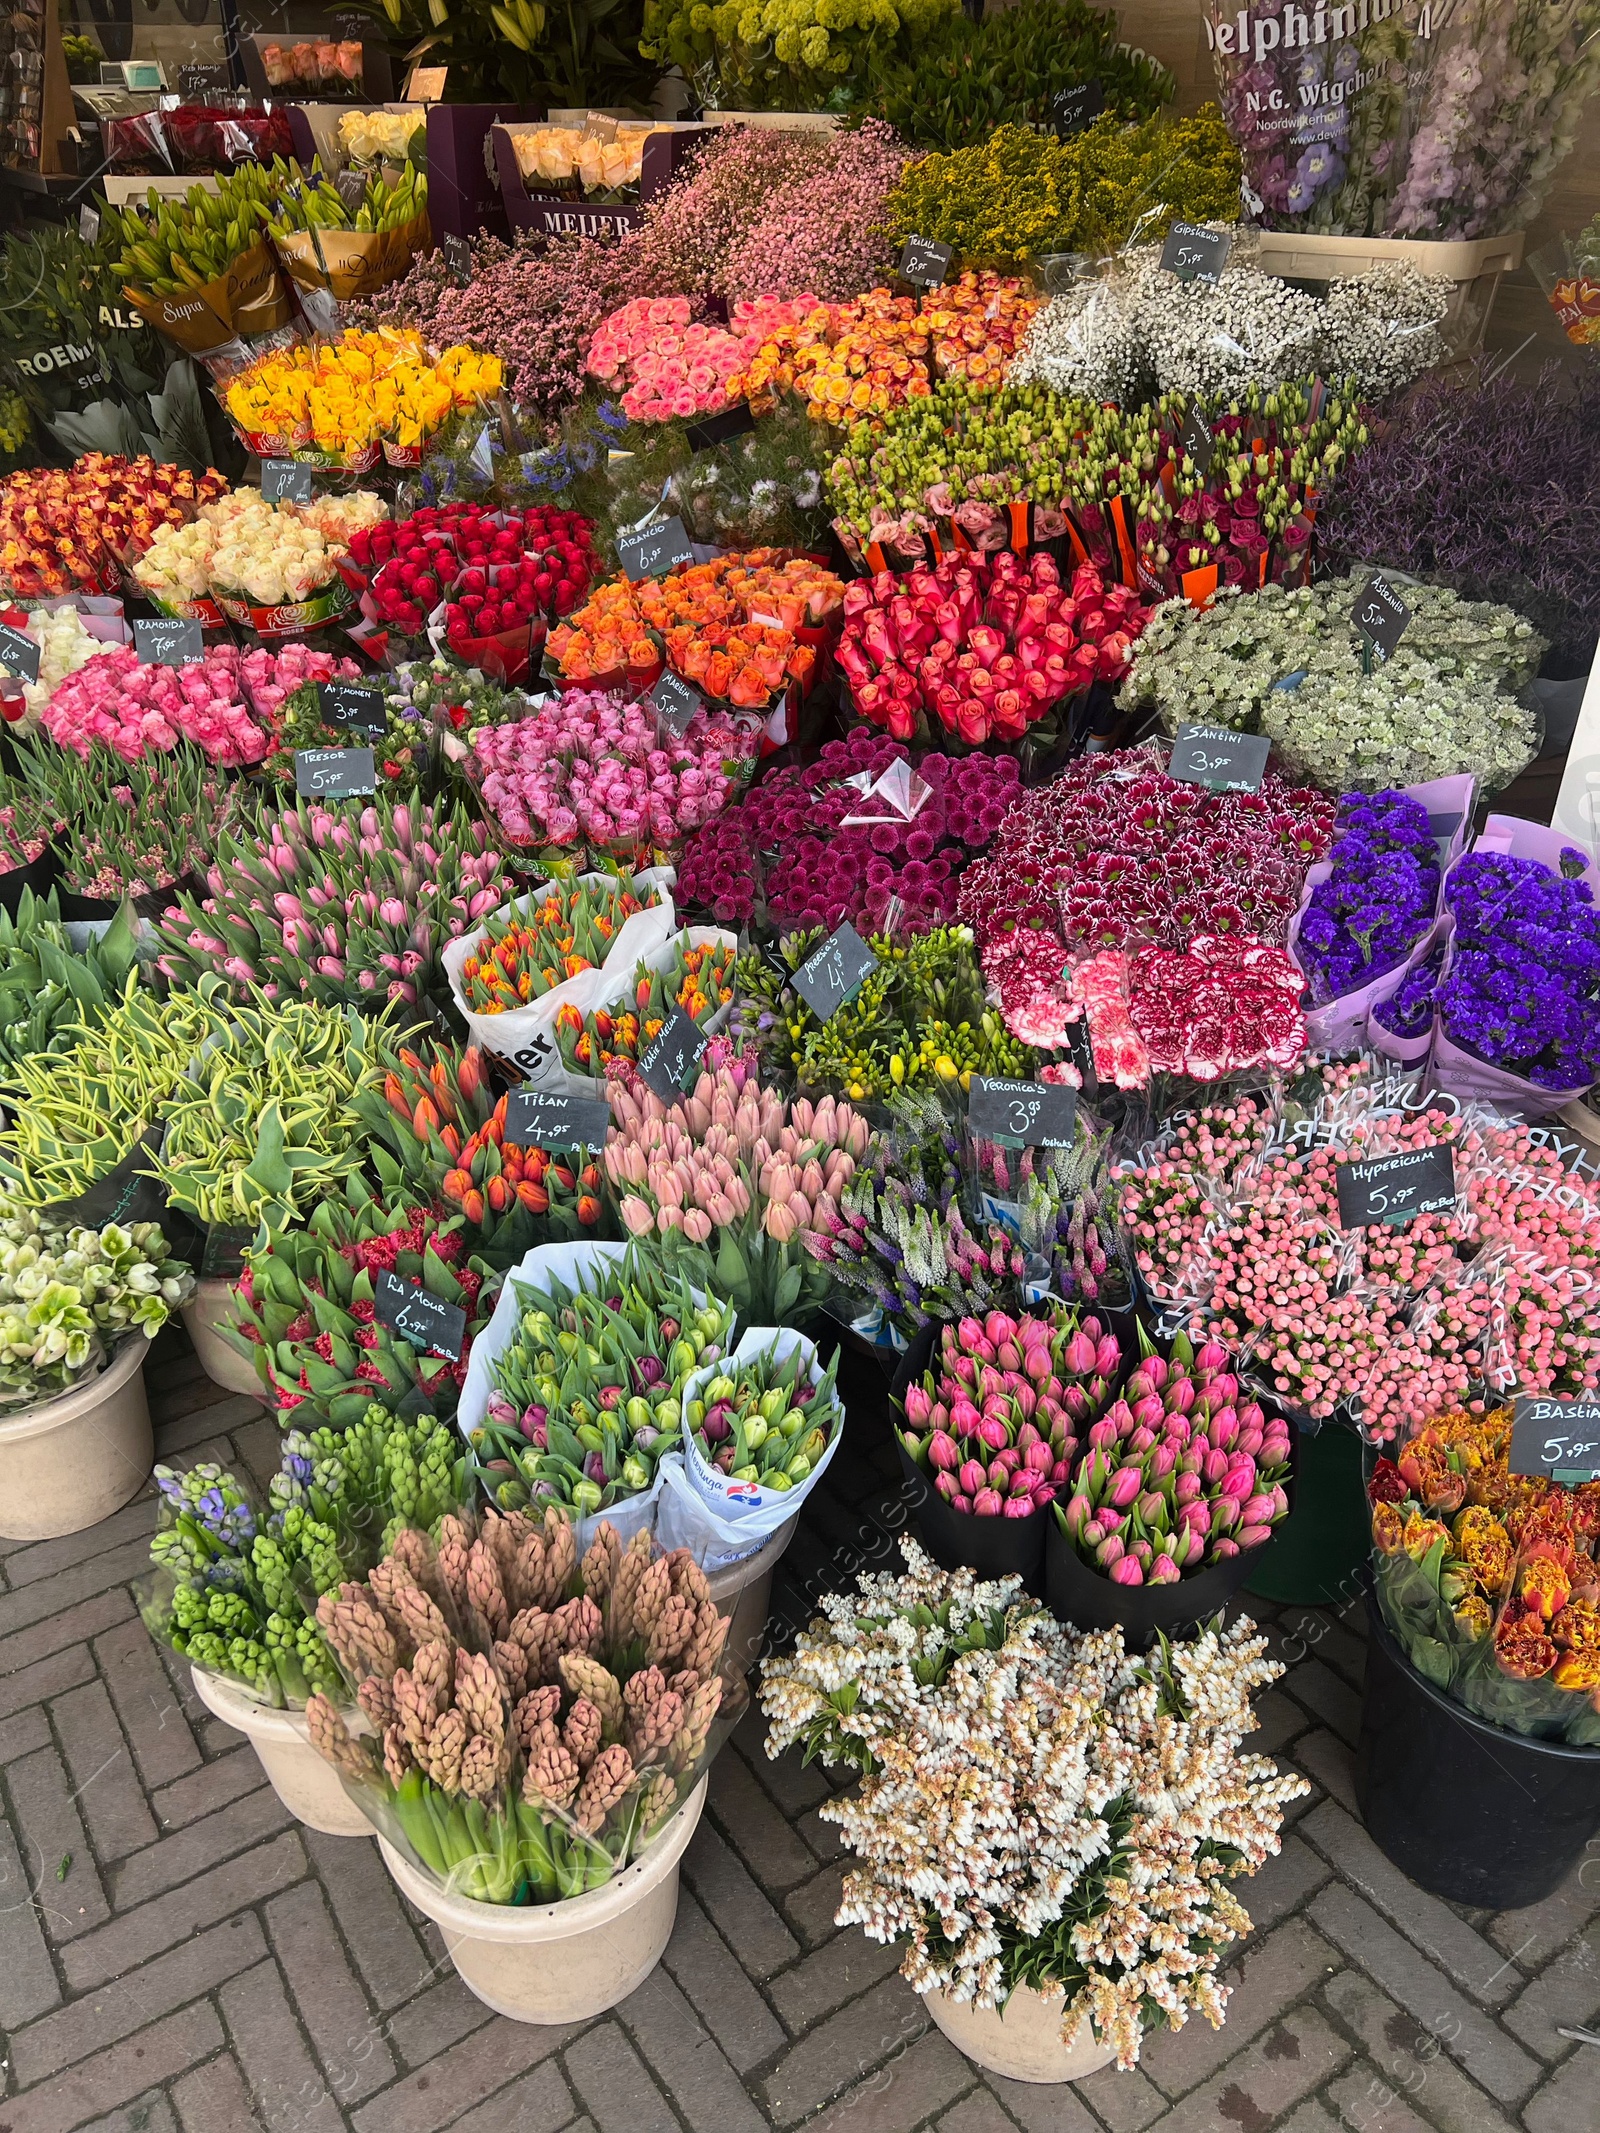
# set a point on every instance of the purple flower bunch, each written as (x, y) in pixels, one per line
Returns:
(1523, 989)
(820, 868)
(827, 230)
(1408, 1011)
(1379, 899)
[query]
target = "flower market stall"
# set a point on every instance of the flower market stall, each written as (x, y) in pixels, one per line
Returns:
(858, 803)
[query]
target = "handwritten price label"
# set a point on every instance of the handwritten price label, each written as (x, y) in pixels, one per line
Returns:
(418, 1316)
(1381, 615)
(1223, 761)
(19, 655)
(665, 1064)
(1195, 254)
(1560, 1438)
(1397, 1188)
(653, 553)
(832, 974)
(536, 1119)
(283, 482)
(1021, 1114)
(168, 643)
(350, 704)
(925, 261)
(675, 703)
(1198, 442)
(333, 773)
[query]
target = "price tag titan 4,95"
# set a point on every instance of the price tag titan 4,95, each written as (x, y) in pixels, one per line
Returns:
(1397, 1188)
(1021, 1114)
(1215, 757)
(537, 1118)
(665, 1062)
(1560, 1438)
(832, 974)
(1381, 615)
(417, 1315)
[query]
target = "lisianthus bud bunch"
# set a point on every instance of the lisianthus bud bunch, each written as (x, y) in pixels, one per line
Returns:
(237, 1588)
(598, 767)
(61, 531)
(352, 901)
(587, 1396)
(698, 982)
(996, 1423)
(535, 1719)
(1179, 1472)
(1115, 853)
(764, 1421)
(981, 648)
(302, 1310)
(567, 928)
(1468, 1557)
(443, 1130)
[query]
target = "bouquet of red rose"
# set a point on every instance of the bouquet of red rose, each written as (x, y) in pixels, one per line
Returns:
(981, 647)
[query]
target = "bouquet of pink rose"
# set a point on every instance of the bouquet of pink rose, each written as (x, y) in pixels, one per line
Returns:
(664, 362)
(224, 703)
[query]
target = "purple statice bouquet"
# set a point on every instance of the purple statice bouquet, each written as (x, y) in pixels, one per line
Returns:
(1379, 899)
(1408, 1011)
(819, 867)
(1523, 989)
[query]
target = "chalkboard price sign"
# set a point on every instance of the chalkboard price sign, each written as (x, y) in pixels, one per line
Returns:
(721, 429)
(283, 482)
(675, 703)
(458, 258)
(1198, 442)
(832, 974)
(1195, 254)
(1397, 1188)
(654, 552)
(925, 261)
(665, 1063)
(1215, 757)
(1021, 1114)
(168, 642)
(1073, 109)
(19, 655)
(1381, 615)
(536, 1118)
(352, 705)
(418, 1316)
(333, 773)
(1560, 1438)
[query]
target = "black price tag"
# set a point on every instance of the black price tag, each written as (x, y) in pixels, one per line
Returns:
(1021, 1114)
(832, 974)
(168, 642)
(675, 703)
(536, 1118)
(199, 81)
(925, 261)
(89, 224)
(19, 655)
(333, 773)
(1198, 442)
(1080, 1048)
(425, 1320)
(665, 1062)
(1195, 254)
(1381, 615)
(458, 258)
(1073, 109)
(1397, 1188)
(353, 705)
(654, 552)
(719, 429)
(283, 481)
(1214, 757)
(1560, 1438)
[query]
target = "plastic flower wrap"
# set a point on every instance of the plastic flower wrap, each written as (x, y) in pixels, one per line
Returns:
(1519, 987)
(63, 532)
(532, 1750)
(67, 1293)
(567, 929)
(1488, 1579)
(348, 902)
(236, 1584)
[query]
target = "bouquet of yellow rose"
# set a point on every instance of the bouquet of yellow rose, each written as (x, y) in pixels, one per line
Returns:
(341, 403)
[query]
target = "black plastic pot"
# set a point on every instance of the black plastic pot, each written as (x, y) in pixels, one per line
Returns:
(993, 1547)
(37, 875)
(1318, 1555)
(1469, 1811)
(151, 905)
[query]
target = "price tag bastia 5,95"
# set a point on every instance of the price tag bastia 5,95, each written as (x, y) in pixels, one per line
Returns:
(832, 974)
(417, 1315)
(333, 773)
(665, 1062)
(1021, 1114)
(1215, 757)
(1560, 1438)
(1397, 1188)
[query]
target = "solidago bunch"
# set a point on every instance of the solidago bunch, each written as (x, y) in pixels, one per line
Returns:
(1040, 1808)
(538, 1718)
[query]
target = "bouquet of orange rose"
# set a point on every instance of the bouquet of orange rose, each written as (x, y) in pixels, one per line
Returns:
(1488, 1579)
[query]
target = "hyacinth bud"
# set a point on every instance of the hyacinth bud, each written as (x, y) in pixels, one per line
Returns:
(1188, 1488)
(919, 1405)
(1179, 1396)
(1127, 1571)
(1077, 1515)
(1220, 1550)
(1109, 1551)
(988, 1503)
(1164, 1571)
(972, 1477)
(1142, 1440)
(947, 1485)
(1253, 1536)
(944, 1452)
(1038, 1459)
(1125, 1485)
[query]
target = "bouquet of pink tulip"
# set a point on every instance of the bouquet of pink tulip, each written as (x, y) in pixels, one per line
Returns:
(1179, 1473)
(998, 1423)
(224, 703)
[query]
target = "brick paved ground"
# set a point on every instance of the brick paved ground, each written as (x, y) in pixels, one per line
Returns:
(178, 1956)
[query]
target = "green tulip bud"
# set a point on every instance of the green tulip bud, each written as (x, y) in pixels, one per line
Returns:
(695, 1413)
(585, 1497)
(636, 1471)
(590, 1437)
(771, 1404)
(745, 1473)
(779, 1481)
(755, 1433)
(799, 1468)
(639, 1412)
(792, 1423)
(720, 1388)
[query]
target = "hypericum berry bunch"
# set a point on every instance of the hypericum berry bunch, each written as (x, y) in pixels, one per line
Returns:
(1179, 1472)
(997, 1422)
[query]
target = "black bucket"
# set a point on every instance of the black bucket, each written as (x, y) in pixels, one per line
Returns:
(37, 875)
(1469, 1811)
(1318, 1555)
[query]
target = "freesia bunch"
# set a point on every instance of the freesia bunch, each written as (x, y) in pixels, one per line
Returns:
(67, 1293)
(349, 902)
(587, 1396)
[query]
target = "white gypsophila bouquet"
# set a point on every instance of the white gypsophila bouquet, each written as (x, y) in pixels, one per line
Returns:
(67, 1294)
(1289, 664)
(1039, 1807)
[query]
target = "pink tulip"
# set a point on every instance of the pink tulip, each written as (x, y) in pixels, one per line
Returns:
(972, 1477)
(1126, 1571)
(1164, 1571)
(943, 1451)
(988, 1503)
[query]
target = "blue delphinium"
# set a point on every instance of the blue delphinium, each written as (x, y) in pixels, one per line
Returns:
(1523, 991)
(1378, 901)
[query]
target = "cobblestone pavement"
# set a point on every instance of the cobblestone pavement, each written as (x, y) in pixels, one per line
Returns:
(177, 1955)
